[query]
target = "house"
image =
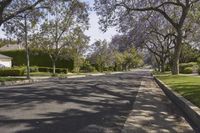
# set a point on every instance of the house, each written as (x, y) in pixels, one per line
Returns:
(5, 61)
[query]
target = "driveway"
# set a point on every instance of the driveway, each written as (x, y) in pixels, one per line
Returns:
(99, 104)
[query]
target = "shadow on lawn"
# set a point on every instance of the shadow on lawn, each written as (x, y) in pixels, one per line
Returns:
(189, 91)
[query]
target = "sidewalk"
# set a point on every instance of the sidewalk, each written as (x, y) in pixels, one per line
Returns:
(153, 112)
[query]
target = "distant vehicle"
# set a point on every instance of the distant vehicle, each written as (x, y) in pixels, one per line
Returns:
(2, 66)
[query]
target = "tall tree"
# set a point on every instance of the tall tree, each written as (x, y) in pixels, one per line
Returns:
(22, 27)
(174, 11)
(155, 35)
(101, 56)
(78, 47)
(58, 29)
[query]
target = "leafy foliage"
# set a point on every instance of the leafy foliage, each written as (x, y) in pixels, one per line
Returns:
(12, 72)
(183, 67)
(87, 67)
(37, 58)
(187, 70)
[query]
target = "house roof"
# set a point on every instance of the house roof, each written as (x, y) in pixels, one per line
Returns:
(4, 57)
(11, 47)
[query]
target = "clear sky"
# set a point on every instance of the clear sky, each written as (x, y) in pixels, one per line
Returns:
(94, 32)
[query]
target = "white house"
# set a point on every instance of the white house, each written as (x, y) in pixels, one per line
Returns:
(5, 61)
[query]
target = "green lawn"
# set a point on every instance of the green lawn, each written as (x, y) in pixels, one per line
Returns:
(50, 74)
(3, 79)
(187, 86)
(40, 74)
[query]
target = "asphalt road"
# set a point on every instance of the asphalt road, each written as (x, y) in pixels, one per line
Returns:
(84, 105)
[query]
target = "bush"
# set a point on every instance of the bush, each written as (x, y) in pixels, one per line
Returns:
(34, 69)
(183, 66)
(87, 67)
(198, 63)
(110, 68)
(12, 72)
(43, 69)
(49, 69)
(65, 71)
(37, 58)
(188, 70)
(198, 71)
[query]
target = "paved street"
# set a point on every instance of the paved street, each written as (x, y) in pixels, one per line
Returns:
(117, 103)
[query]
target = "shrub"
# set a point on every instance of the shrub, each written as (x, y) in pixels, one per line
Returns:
(87, 67)
(65, 71)
(34, 69)
(188, 70)
(12, 72)
(198, 62)
(43, 69)
(183, 66)
(37, 58)
(198, 71)
(49, 69)
(110, 68)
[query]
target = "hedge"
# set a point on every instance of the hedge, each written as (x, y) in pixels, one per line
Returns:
(48, 69)
(183, 66)
(188, 70)
(198, 63)
(12, 72)
(37, 58)
(87, 67)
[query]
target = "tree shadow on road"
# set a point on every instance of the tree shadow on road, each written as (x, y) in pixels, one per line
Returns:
(68, 106)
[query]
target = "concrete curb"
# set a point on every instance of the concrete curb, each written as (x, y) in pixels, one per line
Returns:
(30, 81)
(191, 111)
(18, 82)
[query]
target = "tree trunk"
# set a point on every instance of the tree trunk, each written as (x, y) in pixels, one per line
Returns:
(54, 67)
(27, 49)
(177, 53)
(162, 66)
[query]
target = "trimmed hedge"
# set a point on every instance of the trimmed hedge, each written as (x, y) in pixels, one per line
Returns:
(49, 69)
(12, 72)
(87, 67)
(37, 58)
(188, 70)
(198, 63)
(183, 66)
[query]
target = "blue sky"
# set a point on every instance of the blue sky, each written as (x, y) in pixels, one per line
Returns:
(94, 32)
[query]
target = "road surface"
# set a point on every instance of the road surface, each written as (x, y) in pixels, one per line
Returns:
(125, 102)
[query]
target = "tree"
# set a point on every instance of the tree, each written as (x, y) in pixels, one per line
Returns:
(121, 43)
(131, 59)
(175, 12)
(78, 47)
(119, 60)
(22, 27)
(155, 36)
(13, 8)
(101, 56)
(57, 31)
(189, 53)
